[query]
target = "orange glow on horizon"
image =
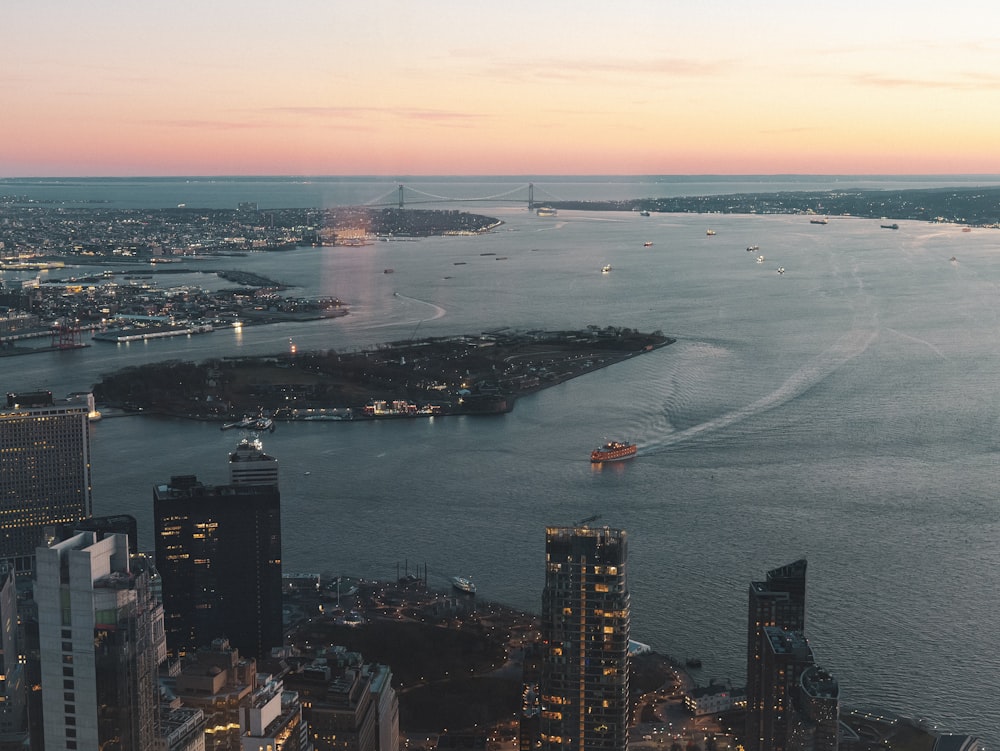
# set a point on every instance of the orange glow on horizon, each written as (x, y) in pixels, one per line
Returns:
(384, 88)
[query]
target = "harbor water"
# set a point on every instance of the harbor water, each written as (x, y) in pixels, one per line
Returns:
(845, 411)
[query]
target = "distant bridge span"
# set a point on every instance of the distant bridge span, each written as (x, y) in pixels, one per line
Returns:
(404, 195)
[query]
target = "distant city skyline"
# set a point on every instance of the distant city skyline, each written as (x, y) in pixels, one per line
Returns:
(391, 88)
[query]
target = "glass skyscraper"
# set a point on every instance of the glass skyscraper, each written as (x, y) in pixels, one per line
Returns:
(584, 682)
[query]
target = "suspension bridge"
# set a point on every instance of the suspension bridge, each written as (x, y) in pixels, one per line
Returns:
(403, 195)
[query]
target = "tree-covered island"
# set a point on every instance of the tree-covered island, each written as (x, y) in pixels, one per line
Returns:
(469, 374)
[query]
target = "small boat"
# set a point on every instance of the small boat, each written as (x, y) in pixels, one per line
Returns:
(643, 213)
(463, 584)
(613, 451)
(760, 259)
(953, 259)
(545, 211)
(889, 226)
(781, 269)
(255, 424)
(824, 220)
(606, 269)
(710, 232)
(753, 248)
(388, 271)
(966, 229)
(647, 244)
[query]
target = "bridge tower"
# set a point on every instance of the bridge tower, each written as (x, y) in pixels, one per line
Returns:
(531, 196)
(400, 195)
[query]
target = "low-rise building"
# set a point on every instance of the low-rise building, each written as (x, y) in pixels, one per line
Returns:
(713, 699)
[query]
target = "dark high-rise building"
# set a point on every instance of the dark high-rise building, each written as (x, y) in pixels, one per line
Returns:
(584, 683)
(785, 656)
(803, 700)
(779, 601)
(218, 552)
(44, 470)
(817, 726)
(13, 696)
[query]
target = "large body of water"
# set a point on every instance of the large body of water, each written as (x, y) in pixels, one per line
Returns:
(846, 411)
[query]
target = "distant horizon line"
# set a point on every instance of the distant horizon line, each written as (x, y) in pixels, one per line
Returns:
(505, 177)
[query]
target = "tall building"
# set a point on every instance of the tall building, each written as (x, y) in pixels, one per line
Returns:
(220, 683)
(784, 659)
(347, 702)
(100, 639)
(44, 470)
(584, 682)
(218, 552)
(13, 699)
(272, 719)
(818, 724)
(779, 601)
(249, 465)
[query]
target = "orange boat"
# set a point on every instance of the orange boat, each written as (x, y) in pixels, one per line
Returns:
(613, 451)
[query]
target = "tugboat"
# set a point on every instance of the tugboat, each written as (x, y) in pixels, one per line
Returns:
(613, 451)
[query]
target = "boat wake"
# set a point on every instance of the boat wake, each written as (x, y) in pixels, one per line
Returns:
(849, 346)
(439, 312)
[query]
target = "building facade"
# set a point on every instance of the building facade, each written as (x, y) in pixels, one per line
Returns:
(779, 601)
(272, 719)
(100, 637)
(44, 470)
(13, 699)
(584, 681)
(218, 552)
(249, 465)
(220, 683)
(349, 705)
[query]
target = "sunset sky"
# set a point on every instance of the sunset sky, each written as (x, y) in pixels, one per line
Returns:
(397, 87)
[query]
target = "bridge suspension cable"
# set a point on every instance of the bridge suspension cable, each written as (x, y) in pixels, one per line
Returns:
(397, 195)
(550, 195)
(381, 200)
(497, 196)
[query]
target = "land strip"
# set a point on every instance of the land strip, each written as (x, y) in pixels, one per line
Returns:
(471, 374)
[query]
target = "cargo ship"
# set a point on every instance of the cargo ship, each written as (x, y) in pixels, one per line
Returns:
(613, 451)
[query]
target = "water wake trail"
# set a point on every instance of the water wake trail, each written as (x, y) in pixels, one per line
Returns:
(439, 312)
(848, 347)
(917, 339)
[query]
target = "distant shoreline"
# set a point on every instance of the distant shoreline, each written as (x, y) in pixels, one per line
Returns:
(973, 206)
